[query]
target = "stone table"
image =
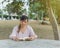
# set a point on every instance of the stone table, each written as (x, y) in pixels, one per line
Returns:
(38, 43)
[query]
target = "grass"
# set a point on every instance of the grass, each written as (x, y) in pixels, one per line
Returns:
(43, 31)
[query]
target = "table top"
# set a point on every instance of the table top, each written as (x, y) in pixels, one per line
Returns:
(38, 43)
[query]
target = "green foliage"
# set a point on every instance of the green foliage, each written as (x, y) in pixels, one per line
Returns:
(37, 7)
(14, 7)
(56, 8)
(1, 11)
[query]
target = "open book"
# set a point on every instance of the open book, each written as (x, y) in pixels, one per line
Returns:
(24, 38)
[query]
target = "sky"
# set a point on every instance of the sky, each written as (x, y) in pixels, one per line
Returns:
(4, 4)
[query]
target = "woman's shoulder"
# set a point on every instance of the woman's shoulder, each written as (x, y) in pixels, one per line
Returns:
(29, 27)
(15, 27)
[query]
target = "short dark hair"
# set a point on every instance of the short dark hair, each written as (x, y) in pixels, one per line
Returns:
(24, 17)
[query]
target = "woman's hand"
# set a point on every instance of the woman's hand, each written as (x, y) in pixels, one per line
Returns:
(29, 39)
(24, 39)
(16, 39)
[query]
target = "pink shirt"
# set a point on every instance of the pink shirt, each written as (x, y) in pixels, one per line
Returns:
(28, 32)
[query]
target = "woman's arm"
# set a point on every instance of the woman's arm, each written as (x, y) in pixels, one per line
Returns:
(13, 35)
(16, 38)
(32, 34)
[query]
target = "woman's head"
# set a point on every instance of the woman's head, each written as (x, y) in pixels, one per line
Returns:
(23, 20)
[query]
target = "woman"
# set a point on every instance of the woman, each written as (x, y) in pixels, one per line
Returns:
(23, 31)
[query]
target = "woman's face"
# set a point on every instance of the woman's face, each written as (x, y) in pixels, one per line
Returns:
(23, 22)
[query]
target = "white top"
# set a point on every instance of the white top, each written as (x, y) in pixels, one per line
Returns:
(28, 32)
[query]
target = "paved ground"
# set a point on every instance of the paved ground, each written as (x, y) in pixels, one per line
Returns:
(38, 43)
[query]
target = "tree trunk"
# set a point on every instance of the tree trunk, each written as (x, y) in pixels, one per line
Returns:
(52, 20)
(59, 19)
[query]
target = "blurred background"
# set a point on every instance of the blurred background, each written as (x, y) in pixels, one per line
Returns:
(36, 10)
